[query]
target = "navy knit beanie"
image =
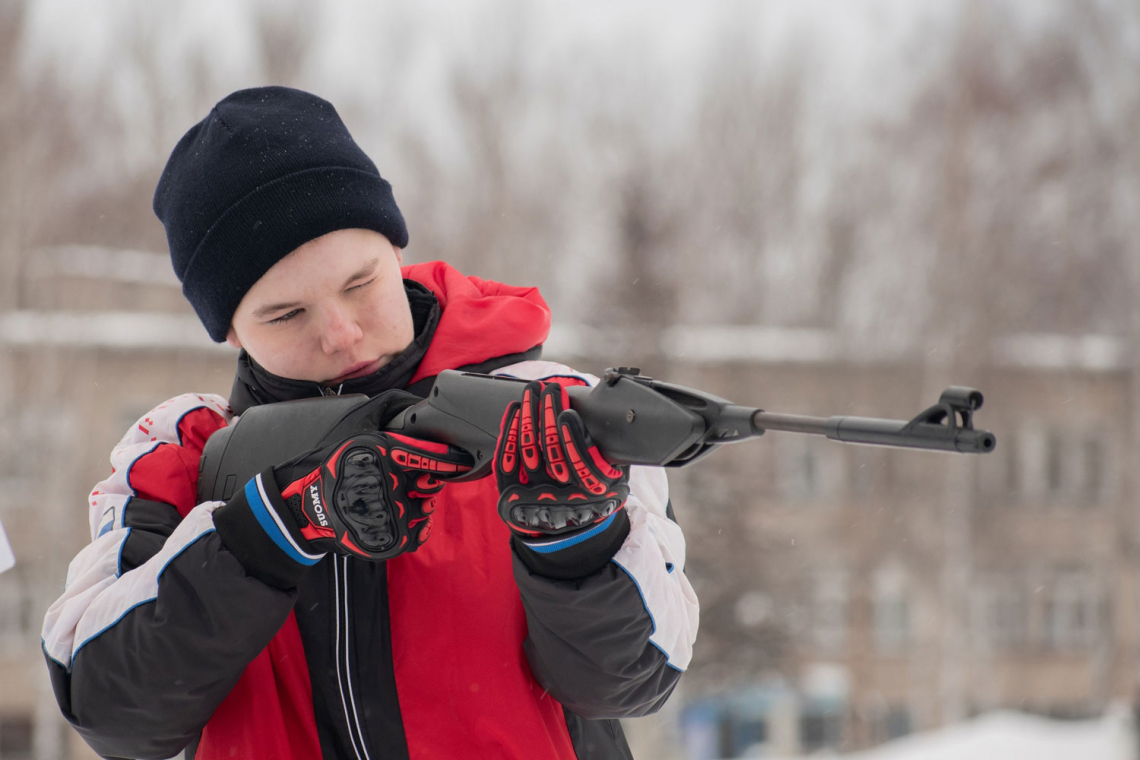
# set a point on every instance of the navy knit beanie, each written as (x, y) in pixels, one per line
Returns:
(268, 170)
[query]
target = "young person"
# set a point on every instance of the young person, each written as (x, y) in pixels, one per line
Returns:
(348, 604)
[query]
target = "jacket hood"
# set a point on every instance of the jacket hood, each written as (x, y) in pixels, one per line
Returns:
(481, 319)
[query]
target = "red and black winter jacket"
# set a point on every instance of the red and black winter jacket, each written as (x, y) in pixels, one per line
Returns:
(164, 641)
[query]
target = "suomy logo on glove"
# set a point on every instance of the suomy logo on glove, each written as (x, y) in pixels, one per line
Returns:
(318, 508)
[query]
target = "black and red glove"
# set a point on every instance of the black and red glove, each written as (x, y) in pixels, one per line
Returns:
(368, 496)
(557, 493)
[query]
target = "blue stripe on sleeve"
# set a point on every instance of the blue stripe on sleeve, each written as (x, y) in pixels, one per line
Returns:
(148, 600)
(261, 511)
(123, 545)
(577, 538)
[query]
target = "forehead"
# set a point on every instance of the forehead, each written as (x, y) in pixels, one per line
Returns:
(319, 266)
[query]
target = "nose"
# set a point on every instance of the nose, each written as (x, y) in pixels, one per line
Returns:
(339, 329)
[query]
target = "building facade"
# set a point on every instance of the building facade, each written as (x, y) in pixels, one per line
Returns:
(849, 594)
(884, 591)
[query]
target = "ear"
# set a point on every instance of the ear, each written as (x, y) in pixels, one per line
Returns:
(399, 255)
(232, 338)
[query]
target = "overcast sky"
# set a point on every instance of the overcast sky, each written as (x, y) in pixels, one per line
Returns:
(405, 46)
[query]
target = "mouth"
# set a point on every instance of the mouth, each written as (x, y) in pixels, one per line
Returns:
(358, 370)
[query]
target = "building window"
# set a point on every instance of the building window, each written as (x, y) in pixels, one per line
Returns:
(16, 737)
(830, 611)
(870, 470)
(802, 471)
(1092, 470)
(740, 737)
(810, 468)
(1055, 464)
(820, 729)
(897, 723)
(892, 622)
(1013, 475)
(1070, 612)
(999, 613)
(892, 611)
(1071, 467)
(889, 722)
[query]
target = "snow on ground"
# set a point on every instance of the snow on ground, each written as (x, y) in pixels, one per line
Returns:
(1016, 736)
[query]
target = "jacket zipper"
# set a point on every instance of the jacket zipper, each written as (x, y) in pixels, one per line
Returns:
(343, 664)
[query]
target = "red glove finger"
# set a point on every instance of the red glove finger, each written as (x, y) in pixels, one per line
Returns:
(530, 450)
(591, 470)
(506, 464)
(554, 401)
(427, 463)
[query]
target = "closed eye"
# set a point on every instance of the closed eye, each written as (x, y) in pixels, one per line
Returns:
(361, 285)
(295, 312)
(285, 317)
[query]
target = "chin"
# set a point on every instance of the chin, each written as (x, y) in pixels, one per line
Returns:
(303, 377)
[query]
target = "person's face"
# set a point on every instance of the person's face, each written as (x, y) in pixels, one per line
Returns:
(331, 310)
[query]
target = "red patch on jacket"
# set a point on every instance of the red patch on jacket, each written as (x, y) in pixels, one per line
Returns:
(169, 473)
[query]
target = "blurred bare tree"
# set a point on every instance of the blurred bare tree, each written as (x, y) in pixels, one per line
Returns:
(1000, 195)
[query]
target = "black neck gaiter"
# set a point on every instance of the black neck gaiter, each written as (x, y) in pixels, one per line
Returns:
(254, 385)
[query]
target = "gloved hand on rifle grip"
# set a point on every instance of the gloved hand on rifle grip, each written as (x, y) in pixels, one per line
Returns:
(368, 496)
(556, 490)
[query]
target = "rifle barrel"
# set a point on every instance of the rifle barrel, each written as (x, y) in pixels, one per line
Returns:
(791, 423)
(869, 430)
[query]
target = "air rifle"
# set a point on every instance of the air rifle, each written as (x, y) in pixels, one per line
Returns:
(633, 419)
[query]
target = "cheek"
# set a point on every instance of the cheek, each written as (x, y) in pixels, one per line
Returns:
(291, 356)
(392, 318)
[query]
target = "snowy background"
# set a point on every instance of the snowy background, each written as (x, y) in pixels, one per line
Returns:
(817, 207)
